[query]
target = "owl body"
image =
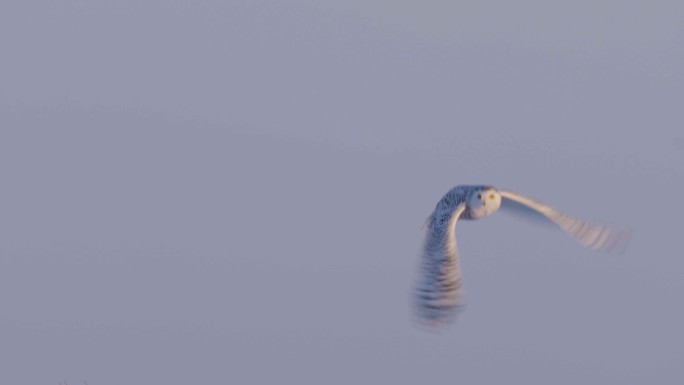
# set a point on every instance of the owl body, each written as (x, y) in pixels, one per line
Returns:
(476, 199)
(439, 291)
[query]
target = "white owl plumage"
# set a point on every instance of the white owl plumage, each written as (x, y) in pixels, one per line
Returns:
(439, 293)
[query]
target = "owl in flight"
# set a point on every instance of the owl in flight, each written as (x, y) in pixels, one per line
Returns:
(439, 293)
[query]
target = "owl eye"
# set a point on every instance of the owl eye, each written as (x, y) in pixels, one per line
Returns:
(491, 196)
(479, 196)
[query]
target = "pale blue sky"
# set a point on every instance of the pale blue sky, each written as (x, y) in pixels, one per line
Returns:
(233, 191)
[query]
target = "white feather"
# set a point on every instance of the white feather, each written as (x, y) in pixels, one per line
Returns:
(439, 292)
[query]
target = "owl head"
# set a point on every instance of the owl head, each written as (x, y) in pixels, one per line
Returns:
(484, 201)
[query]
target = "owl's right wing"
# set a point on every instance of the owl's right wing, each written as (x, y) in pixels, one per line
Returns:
(439, 293)
(592, 235)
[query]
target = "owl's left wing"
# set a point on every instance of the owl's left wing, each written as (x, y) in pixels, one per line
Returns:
(592, 235)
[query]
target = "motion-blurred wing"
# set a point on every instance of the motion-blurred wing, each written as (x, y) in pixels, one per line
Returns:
(439, 293)
(594, 236)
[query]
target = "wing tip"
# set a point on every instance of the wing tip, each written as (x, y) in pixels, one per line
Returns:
(436, 321)
(619, 242)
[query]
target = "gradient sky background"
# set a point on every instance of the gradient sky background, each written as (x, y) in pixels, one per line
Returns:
(232, 192)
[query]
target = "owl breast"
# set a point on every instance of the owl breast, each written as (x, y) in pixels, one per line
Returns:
(475, 212)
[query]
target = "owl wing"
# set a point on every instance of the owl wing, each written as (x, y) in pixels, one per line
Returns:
(439, 293)
(592, 235)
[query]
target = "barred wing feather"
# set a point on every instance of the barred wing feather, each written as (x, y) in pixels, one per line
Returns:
(592, 235)
(439, 294)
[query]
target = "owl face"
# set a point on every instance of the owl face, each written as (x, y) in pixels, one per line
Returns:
(484, 202)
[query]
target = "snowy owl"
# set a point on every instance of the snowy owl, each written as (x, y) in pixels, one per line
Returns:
(439, 293)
